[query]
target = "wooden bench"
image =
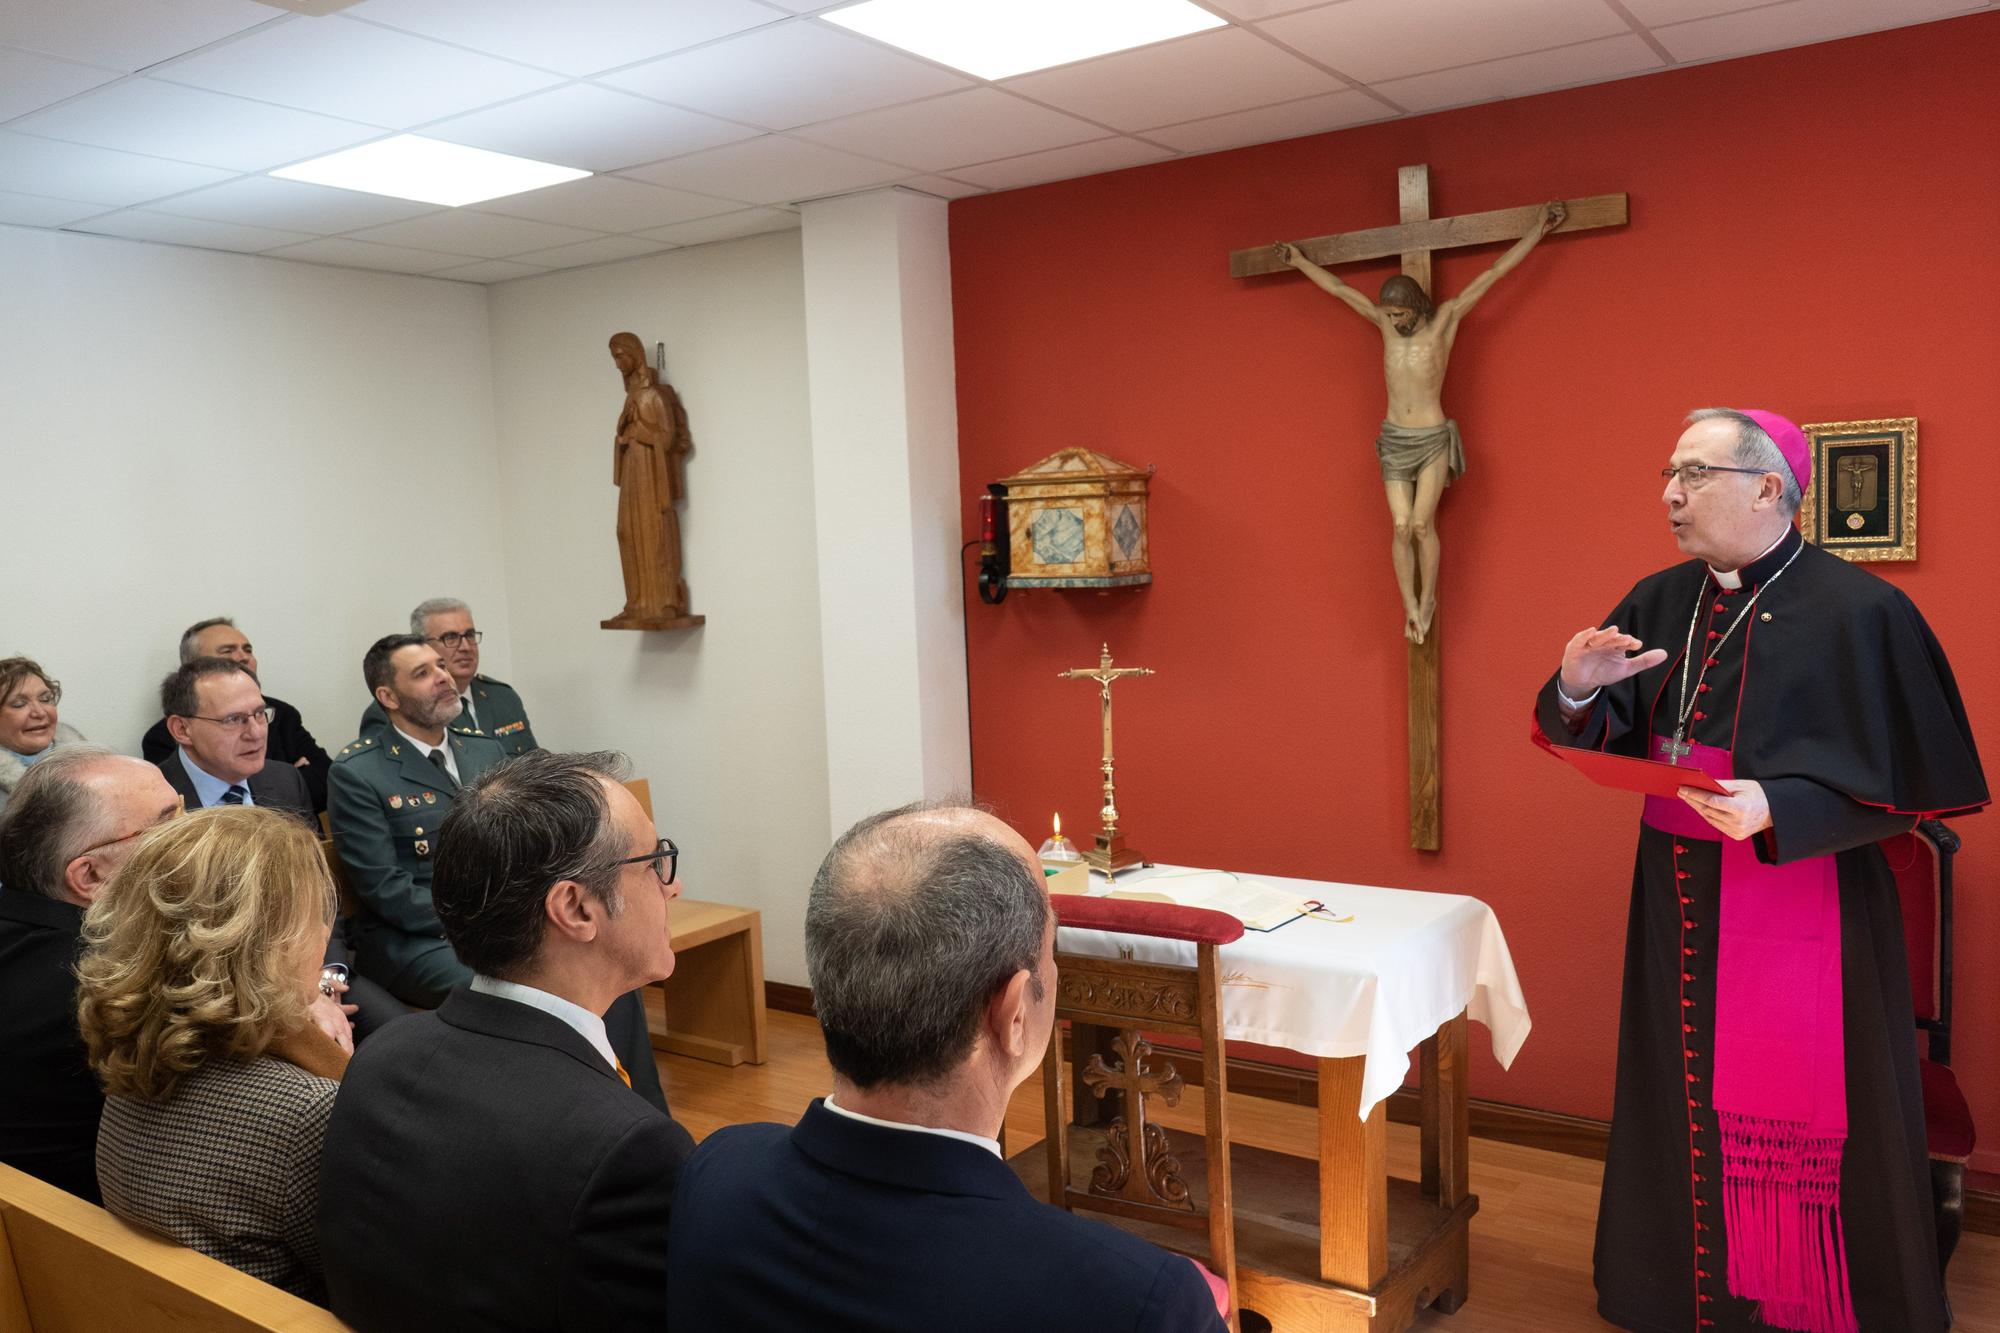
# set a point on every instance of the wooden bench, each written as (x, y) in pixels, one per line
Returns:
(712, 1007)
(67, 1266)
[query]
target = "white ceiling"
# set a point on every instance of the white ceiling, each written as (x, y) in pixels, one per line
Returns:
(712, 119)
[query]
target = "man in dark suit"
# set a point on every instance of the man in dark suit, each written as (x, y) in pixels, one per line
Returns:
(219, 721)
(487, 1167)
(491, 707)
(930, 944)
(73, 820)
(287, 740)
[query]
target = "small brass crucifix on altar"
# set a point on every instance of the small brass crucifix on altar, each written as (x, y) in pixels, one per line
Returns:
(1110, 854)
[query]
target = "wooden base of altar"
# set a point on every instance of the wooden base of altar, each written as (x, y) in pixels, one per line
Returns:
(1336, 1245)
(652, 622)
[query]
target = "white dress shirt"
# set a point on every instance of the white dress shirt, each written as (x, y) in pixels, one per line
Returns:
(991, 1145)
(440, 754)
(588, 1025)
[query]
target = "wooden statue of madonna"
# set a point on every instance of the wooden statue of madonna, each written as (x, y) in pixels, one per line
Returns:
(648, 459)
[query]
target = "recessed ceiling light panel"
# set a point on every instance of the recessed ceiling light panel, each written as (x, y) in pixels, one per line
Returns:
(429, 171)
(996, 39)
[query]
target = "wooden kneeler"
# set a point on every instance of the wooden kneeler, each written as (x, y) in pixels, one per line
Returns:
(1137, 1175)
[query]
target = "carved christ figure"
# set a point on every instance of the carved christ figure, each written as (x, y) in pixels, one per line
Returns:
(1419, 447)
(647, 466)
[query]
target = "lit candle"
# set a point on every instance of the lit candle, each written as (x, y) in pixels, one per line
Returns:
(989, 522)
(1058, 833)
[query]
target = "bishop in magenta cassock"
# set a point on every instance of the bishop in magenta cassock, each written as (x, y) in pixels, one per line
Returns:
(1767, 1166)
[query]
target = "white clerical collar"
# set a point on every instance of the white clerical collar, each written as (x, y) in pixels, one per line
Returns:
(991, 1145)
(588, 1025)
(1733, 578)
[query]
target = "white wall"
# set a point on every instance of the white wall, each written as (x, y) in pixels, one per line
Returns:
(186, 434)
(727, 721)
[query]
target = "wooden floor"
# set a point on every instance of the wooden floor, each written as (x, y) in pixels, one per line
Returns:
(1530, 1242)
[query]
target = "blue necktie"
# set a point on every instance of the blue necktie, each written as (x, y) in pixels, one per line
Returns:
(236, 794)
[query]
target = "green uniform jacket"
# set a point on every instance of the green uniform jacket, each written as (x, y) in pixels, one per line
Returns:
(499, 711)
(385, 801)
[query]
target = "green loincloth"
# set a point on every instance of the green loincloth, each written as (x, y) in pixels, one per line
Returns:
(1406, 450)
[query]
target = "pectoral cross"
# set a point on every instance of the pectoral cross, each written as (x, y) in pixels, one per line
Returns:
(1110, 854)
(1676, 749)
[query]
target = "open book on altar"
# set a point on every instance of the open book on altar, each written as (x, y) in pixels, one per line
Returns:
(1258, 906)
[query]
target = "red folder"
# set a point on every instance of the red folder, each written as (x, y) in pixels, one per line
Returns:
(1641, 775)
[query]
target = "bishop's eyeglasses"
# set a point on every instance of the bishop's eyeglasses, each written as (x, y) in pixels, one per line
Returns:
(665, 860)
(1696, 475)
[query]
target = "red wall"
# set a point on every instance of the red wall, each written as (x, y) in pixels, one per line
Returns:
(1812, 231)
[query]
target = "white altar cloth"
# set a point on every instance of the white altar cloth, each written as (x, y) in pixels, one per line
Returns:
(1375, 986)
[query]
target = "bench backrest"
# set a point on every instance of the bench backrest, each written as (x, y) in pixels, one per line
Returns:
(67, 1266)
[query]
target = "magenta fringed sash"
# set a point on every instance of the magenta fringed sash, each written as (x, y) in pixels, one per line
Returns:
(1780, 1091)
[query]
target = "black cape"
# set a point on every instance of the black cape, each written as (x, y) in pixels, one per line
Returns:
(1843, 707)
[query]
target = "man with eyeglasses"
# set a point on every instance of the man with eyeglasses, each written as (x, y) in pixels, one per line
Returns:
(487, 1166)
(490, 706)
(1767, 1158)
(220, 723)
(287, 740)
(74, 820)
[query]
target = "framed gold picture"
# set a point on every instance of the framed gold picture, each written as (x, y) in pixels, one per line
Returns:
(1862, 504)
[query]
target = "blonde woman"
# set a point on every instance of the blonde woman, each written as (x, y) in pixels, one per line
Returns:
(199, 967)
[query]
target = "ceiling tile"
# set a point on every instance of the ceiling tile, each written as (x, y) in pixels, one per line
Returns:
(772, 170)
(1374, 40)
(787, 75)
(1655, 12)
(944, 187)
(339, 67)
(1208, 74)
(461, 231)
(126, 34)
(603, 250)
(29, 81)
(1083, 159)
(266, 201)
(582, 125)
(727, 227)
(361, 254)
(977, 125)
(1796, 24)
(94, 175)
(136, 225)
(489, 270)
(609, 203)
(557, 36)
(1251, 10)
(1288, 120)
(1590, 62)
(189, 125)
(34, 210)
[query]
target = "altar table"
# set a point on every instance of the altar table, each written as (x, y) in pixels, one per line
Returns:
(1381, 973)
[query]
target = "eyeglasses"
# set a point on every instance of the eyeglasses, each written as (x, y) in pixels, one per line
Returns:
(666, 853)
(175, 813)
(50, 696)
(239, 721)
(457, 640)
(1693, 476)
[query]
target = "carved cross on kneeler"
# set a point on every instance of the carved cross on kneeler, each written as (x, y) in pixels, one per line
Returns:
(1414, 239)
(1157, 1179)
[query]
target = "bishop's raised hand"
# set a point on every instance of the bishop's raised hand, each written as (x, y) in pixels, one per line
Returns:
(1594, 658)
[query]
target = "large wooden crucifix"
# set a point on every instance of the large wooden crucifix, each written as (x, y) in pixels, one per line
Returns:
(1417, 365)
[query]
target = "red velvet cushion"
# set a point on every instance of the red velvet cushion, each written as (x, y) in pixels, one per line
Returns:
(1165, 920)
(1911, 861)
(1947, 1119)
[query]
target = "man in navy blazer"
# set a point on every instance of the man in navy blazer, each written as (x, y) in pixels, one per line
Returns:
(930, 945)
(219, 721)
